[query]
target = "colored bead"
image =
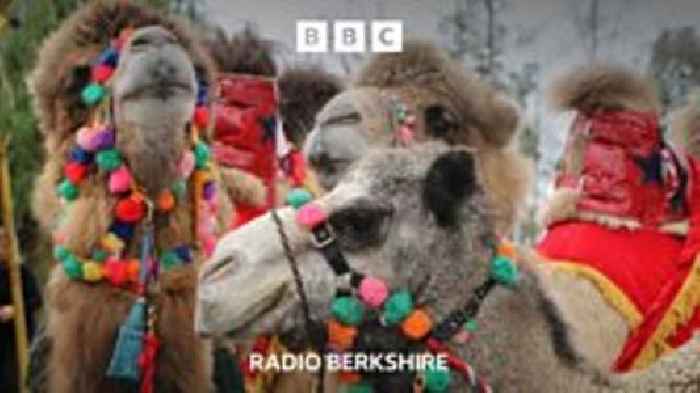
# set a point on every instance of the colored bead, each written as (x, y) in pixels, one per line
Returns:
(201, 155)
(397, 307)
(101, 73)
(92, 271)
(471, 325)
(130, 210)
(461, 337)
(80, 156)
(105, 138)
(75, 172)
(179, 188)
(68, 190)
(373, 291)
(166, 201)
(120, 180)
(310, 216)
(417, 325)
(111, 243)
(298, 197)
(184, 253)
(341, 337)
(504, 271)
(360, 387)
(108, 160)
(60, 253)
(348, 310)
(201, 116)
(109, 56)
(99, 255)
(85, 138)
(186, 165)
(437, 380)
(92, 94)
(169, 260)
(72, 267)
(123, 230)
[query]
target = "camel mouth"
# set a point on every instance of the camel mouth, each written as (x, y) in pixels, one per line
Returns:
(261, 318)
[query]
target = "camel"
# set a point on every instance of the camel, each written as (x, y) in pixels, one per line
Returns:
(142, 79)
(402, 216)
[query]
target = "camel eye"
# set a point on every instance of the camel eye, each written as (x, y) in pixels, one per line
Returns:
(440, 122)
(362, 225)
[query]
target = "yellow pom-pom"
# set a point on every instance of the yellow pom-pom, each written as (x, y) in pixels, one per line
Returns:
(92, 271)
(112, 243)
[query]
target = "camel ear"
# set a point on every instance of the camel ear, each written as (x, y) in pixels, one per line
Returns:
(449, 182)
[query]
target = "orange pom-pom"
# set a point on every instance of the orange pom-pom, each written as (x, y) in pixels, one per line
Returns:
(166, 201)
(349, 377)
(507, 249)
(340, 337)
(417, 324)
(133, 268)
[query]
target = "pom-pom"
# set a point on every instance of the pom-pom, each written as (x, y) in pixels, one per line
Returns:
(67, 190)
(340, 337)
(116, 272)
(75, 172)
(133, 268)
(184, 253)
(349, 377)
(373, 291)
(504, 271)
(436, 380)
(72, 267)
(186, 165)
(360, 387)
(298, 197)
(99, 255)
(201, 155)
(109, 160)
(166, 201)
(209, 191)
(105, 138)
(123, 230)
(92, 94)
(109, 57)
(179, 188)
(417, 325)
(130, 210)
(170, 260)
(348, 310)
(120, 180)
(60, 253)
(405, 135)
(85, 138)
(111, 243)
(397, 308)
(92, 272)
(80, 156)
(201, 117)
(311, 215)
(507, 250)
(471, 325)
(100, 73)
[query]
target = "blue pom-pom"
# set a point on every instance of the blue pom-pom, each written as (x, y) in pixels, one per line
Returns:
(109, 56)
(184, 253)
(123, 230)
(202, 96)
(81, 156)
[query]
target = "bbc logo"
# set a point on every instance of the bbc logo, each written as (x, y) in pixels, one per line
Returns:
(349, 36)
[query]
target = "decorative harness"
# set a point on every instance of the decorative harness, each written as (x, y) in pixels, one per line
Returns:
(359, 295)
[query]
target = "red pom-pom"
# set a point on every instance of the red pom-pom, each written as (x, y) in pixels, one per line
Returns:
(101, 72)
(201, 116)
(116, 272)
(130, 210)
(75, 172)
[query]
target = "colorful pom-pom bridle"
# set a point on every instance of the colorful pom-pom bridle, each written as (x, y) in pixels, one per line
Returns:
(360, 298)
(95, 154)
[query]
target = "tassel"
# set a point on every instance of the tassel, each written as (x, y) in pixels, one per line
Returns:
(125, 359)
(147, 361)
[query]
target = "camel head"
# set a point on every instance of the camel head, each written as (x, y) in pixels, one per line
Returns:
(416, 218)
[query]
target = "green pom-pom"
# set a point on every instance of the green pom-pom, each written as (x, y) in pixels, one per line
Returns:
(68, 190)
(360, 387)
(92, 94)
(60, 253)
(437, 380)
(73, 267)
(504, 271)
(201, 155)
(471, 325)
(348, 310)
(397, 307)
(298, 197)
(179, 188)
(109, 160)
(99, 255)
(170, 259)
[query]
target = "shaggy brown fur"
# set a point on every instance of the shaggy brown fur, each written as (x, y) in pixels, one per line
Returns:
(423, 65)
(685, 126)
(606, 87)
(83, 318)
(304, 91)
(244, 53)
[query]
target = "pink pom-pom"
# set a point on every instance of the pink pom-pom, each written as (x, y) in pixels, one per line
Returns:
(101, 72)
(311, 215)
(373, 291)
(119, 180)
(405, 135)
(186, 165)
(86, 139)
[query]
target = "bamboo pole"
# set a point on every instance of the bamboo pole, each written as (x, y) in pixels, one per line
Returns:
(13, 263)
